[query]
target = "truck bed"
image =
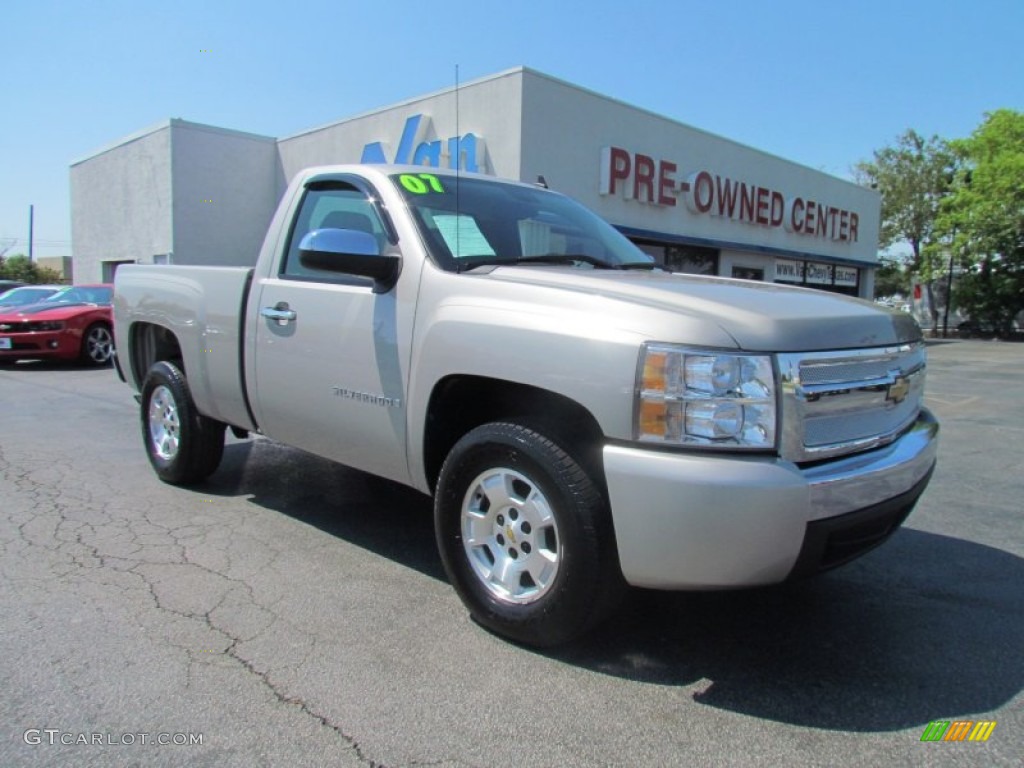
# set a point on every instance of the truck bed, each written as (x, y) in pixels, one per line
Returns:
(204, 307)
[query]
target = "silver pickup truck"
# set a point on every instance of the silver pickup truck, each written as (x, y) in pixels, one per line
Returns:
(583, 419)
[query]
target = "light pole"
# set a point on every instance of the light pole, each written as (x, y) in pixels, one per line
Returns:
(949, 287)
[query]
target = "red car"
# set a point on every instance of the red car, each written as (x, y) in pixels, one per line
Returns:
(73, 324)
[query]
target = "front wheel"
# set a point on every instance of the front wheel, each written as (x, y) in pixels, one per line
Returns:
(97, 345)
(183, 446)
(525, 536)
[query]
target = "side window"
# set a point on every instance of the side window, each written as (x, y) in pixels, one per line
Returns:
(338, 207)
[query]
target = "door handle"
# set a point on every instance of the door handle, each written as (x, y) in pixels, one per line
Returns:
(280, 313)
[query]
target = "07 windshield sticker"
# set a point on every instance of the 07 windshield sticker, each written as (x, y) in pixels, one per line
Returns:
(421, 183)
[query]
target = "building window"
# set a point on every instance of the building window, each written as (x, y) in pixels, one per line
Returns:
(691, 259)
(823, 277)
(110, 267)
(748, 273)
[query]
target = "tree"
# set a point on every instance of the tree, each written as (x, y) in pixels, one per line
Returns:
(913, 176)
(20, 267)
(983, 220)
(891, 278)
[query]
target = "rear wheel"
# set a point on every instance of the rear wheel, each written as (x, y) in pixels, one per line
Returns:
(97, 345)
(525, 536)
(183, 446)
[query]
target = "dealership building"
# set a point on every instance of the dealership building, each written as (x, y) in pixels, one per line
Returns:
(185, 193)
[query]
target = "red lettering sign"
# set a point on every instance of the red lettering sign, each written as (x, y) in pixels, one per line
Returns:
(615, 166)
(726, 195)
(643, 179)
(648, 180)
(666, 184)
(809, 213)
(762, 205)
(702, 190)
(778, 206)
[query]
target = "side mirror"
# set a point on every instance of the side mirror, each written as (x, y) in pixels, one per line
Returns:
(352, 252)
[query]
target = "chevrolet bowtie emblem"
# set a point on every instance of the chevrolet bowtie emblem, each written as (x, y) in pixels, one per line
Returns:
(898, 390)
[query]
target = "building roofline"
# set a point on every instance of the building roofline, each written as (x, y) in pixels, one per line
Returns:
(408, 101)
(172, 122)
(178, 122)
(140, 134)
(514, 71)
(675, 122)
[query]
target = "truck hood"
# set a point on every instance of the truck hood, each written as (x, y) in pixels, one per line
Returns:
(758, 316)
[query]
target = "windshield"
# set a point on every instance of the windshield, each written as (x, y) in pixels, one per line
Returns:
(19, 297)
(469, 221)
(82, 294)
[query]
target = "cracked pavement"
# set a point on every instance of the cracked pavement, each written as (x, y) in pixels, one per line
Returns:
(294, 612)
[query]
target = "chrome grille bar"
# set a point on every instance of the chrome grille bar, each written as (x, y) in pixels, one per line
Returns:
(839, 403)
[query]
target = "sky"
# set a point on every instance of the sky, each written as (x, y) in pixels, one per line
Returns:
(820, 83)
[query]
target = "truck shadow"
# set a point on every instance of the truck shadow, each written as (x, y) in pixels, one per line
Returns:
(386, 518)
(926, 627)
(48, 366)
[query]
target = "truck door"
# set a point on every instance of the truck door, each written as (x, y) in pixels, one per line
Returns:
(330, 374)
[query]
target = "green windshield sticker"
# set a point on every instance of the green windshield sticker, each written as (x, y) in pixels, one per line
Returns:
(421, 183)
(462, 236)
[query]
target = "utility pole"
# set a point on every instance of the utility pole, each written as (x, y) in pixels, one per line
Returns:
(949, 287)
(31, 215)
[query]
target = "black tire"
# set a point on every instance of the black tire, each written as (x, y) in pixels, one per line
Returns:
(183, 446)
(97, 345)
(586, 584)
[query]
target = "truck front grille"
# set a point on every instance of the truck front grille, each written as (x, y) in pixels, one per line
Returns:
(837, 403)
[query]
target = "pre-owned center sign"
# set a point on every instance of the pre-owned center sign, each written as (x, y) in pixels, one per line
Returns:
(635, 176)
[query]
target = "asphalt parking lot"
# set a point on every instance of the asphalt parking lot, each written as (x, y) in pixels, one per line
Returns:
(292, 612)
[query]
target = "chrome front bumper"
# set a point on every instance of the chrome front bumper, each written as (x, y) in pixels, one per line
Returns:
(701, 521)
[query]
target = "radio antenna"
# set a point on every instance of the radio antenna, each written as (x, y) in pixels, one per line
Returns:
(458, 162)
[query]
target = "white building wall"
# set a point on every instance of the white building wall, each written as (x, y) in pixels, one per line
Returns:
(224, 192)
(729, 259)
(121, 203)
(490, 109)
(566, 128)
(206, 194)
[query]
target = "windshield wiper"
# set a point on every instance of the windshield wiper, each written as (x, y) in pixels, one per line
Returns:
(565, 258)
(570, 258)
(471, 262)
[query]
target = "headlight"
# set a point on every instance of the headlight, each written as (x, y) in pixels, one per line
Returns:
(705, 398)
(50, 325)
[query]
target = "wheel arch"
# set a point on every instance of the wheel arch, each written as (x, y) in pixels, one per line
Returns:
(461, 402)
(150, 343)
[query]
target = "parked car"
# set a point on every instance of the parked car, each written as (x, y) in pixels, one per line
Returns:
(982, 329)
(27, 294)
(6, 285)
(72, 324)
